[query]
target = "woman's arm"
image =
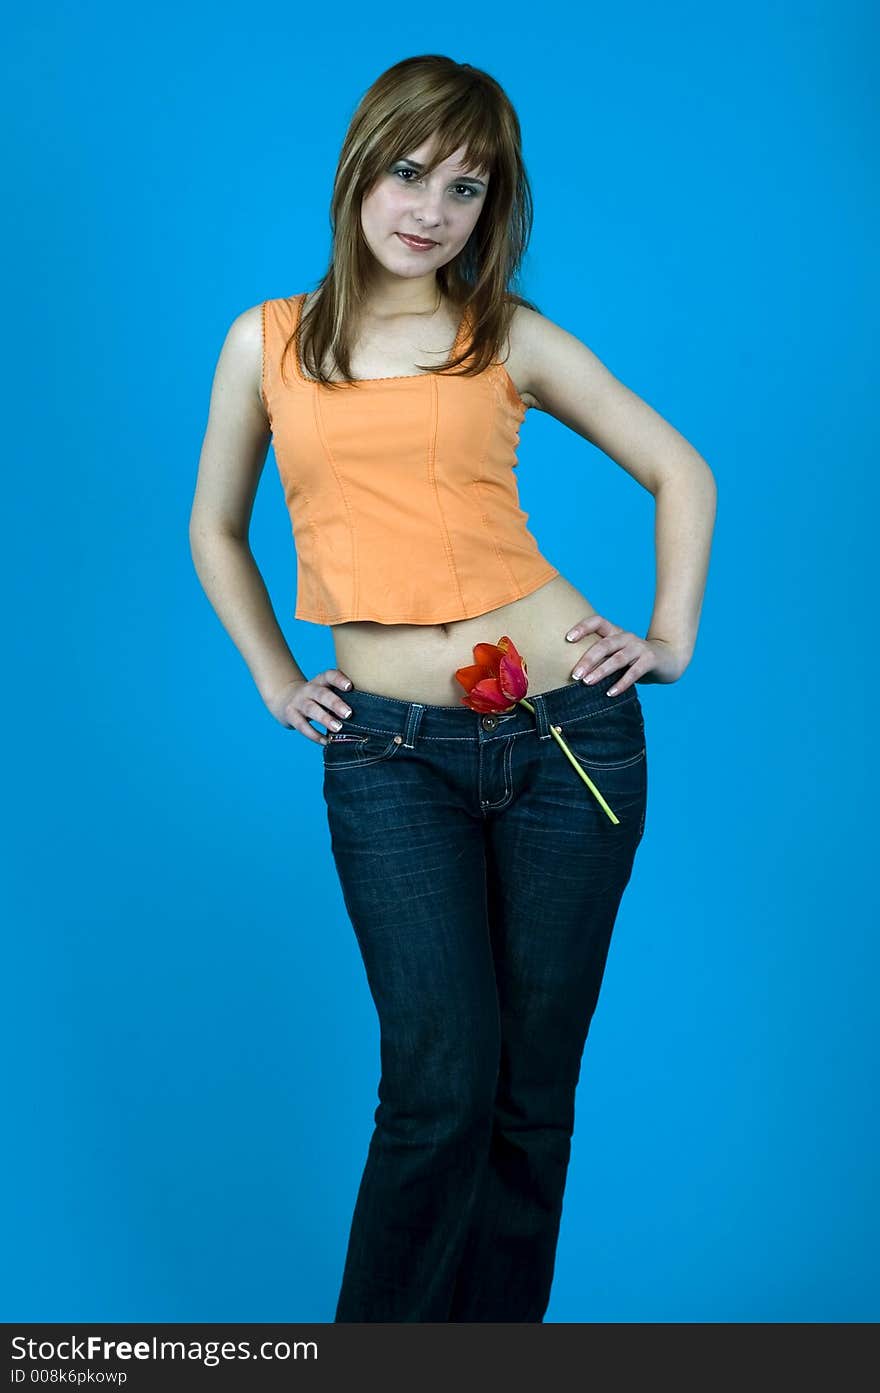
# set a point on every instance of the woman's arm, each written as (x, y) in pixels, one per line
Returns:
(230, 465)
(568, 381)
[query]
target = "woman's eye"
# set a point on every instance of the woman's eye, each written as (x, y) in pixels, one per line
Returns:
(466, 188)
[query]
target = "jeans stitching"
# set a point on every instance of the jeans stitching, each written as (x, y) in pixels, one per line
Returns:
(600, 711)
(507, 766)
(566, 725)
(615, 764)
(363, 762)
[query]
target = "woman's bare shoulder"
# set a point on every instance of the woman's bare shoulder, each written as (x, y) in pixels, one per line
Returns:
(241, 356)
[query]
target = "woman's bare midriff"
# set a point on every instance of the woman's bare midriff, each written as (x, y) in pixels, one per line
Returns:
(418, 662)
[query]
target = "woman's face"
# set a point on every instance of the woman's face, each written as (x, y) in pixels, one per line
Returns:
(442, 207)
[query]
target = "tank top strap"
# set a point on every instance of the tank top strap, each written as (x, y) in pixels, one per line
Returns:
(279, 371)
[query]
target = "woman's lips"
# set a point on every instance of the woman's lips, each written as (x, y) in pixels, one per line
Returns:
(415, 243)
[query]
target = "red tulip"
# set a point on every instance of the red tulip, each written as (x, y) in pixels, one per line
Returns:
(497, 681)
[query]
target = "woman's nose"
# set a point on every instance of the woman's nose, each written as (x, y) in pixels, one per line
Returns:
(428, 210)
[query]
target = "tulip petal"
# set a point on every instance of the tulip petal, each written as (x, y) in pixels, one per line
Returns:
(508, 647)
(470, 676)
(487, 696)
(488, 655)
(513, 679)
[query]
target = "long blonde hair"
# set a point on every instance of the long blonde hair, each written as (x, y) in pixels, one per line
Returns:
(413, 101)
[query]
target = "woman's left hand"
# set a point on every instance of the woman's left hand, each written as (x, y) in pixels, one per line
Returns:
(619, 649)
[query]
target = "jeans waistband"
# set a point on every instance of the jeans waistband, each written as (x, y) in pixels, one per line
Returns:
(393, 716)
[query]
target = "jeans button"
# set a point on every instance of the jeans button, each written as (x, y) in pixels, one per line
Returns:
(490, 722)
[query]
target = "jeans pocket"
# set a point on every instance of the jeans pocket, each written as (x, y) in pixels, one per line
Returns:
(612, 737)
(356, 749)
(609, 745)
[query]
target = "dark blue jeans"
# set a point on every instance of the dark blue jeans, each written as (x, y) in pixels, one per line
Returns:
(482, 879)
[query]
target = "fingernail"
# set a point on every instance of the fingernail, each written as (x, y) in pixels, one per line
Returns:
(572, 635)
(578, 672)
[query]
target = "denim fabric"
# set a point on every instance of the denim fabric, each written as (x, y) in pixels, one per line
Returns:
(482, 879)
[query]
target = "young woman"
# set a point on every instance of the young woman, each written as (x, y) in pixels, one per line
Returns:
(481, 875)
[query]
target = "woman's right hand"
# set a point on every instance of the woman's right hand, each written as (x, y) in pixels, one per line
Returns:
(300, 702)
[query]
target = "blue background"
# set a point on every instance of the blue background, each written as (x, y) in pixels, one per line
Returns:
(191, 1049)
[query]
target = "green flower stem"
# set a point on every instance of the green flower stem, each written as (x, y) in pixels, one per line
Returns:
(571, 759)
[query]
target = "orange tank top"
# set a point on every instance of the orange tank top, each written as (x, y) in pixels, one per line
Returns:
(401, 492)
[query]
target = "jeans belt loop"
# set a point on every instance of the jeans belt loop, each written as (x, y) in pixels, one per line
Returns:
(541, 716)
(412, 722)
